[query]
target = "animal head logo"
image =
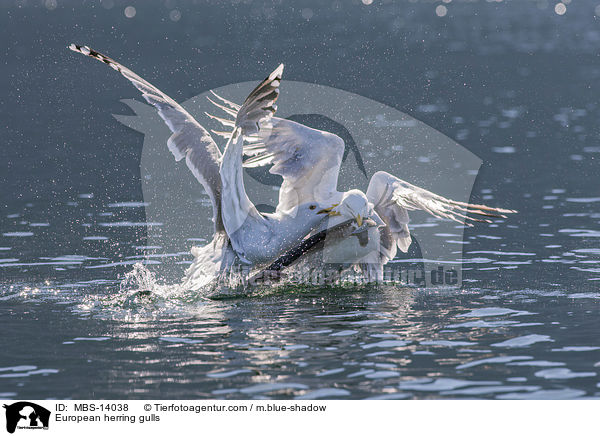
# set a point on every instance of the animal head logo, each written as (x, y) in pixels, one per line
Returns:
(377, 138)
(26, 415)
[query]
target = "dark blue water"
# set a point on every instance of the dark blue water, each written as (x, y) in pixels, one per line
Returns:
(513, 82)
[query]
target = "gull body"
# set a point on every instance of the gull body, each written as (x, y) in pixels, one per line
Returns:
(309, 162)
(301, 155)
(241, 233)
(257, 237)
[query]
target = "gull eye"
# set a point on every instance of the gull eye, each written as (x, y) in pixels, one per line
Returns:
(312, 207)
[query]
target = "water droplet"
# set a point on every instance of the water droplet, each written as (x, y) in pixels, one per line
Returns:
(130, 12)
(175, 15)
(560, 8)
(307, 13)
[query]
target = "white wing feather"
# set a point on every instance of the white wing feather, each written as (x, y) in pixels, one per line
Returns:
(189, 139)
(393, 198)
(308, 159)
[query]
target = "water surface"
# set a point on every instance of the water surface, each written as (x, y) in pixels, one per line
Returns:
(513, 82)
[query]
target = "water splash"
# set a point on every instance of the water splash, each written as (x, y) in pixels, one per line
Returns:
(141, 297)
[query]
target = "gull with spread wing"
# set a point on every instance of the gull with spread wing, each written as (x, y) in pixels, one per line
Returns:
(242, 234)
(309, 161)
(193, 142)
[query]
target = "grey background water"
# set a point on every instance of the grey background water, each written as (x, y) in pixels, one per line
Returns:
(513, 82)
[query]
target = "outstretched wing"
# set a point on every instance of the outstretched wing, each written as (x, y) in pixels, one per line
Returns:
(189, 138)
(393, 198)
(308, 159)
(257, 110)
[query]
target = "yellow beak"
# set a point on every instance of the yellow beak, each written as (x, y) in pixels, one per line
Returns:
(329, 211)
(359, 220)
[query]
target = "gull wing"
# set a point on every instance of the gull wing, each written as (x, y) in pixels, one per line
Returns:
(393, 198)
(189, 139)
(256, 111)
(308, 159)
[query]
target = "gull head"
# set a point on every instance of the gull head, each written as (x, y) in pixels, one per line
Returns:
(355, 205)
